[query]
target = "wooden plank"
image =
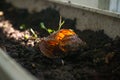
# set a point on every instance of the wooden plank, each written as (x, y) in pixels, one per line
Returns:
(10, 70)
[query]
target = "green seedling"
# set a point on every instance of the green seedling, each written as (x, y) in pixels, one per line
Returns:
(22, 27)
(26, 36)
(34, 34)
(51, 30)
(47, 29)
(42, 26)
(60, 23)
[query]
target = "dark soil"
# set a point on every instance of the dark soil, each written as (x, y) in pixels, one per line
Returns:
(98, 61)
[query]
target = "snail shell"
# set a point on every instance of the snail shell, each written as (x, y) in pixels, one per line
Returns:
(59, 43)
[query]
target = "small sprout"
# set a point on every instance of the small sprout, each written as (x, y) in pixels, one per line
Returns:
(60, 23)
(34, 34)
(22, 26)
(48, 30)
(26, 36)
(42, 26)
(51, 30)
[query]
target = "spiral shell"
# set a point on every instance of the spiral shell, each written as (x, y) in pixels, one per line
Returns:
(59, 43)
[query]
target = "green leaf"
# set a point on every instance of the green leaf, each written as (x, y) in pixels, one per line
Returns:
(42, 25)
(50, 30)
(26, 36)
(22, 26)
